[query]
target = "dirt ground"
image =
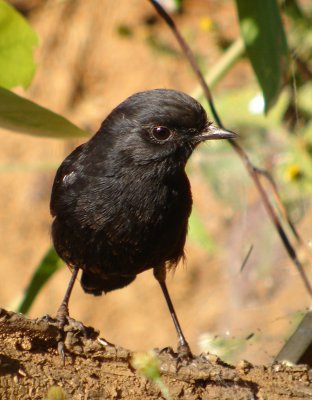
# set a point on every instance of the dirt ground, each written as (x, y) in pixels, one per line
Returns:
(85, 68)
(31, 368)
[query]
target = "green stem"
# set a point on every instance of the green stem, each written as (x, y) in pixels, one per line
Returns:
(223, 66)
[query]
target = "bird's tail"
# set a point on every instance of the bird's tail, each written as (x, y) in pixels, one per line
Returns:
(96, 284)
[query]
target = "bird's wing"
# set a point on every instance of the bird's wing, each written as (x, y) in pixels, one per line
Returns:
(65, 175)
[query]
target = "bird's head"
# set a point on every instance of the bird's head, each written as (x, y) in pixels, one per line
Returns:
(159, 125)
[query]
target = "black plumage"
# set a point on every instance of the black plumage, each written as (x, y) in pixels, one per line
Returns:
(122, 200)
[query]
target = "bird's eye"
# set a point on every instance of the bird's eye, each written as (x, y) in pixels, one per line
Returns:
(161, 133)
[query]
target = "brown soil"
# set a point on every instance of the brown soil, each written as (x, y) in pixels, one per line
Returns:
(85, 68)
(30, 367)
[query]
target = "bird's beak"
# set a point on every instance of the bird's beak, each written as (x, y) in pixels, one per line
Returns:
(216, 133)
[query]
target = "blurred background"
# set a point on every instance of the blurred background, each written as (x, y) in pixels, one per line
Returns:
(91, 56)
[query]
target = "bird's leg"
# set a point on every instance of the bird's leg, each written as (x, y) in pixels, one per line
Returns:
(183, 348)
(62, 314)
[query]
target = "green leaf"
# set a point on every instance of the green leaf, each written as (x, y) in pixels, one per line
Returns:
(22, 115)
(44, 271)
(266, 45)
(17, 42)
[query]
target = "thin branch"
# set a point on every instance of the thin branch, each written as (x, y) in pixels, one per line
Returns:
(222, 66)
(190, 57)
(244, 263)
(252, 170)
(280, 204)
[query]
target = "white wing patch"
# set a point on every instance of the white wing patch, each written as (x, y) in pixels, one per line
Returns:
(70, 178)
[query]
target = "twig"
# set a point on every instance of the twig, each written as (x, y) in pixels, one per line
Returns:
(252, 170)
(190, 57)
(280, 203)
(222, 66)
(244, 263)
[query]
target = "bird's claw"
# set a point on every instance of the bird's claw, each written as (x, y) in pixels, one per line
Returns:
(167, 350)
(185, 355)
(66, 324)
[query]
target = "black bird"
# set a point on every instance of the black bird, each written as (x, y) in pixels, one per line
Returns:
(122, 200)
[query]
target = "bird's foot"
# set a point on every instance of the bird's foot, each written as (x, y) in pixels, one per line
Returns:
(185, 355)
(167, 350)
(183, 352)
(65, 325)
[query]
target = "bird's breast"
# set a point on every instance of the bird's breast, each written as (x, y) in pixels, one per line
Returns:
(151, 224)
(116, 223)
